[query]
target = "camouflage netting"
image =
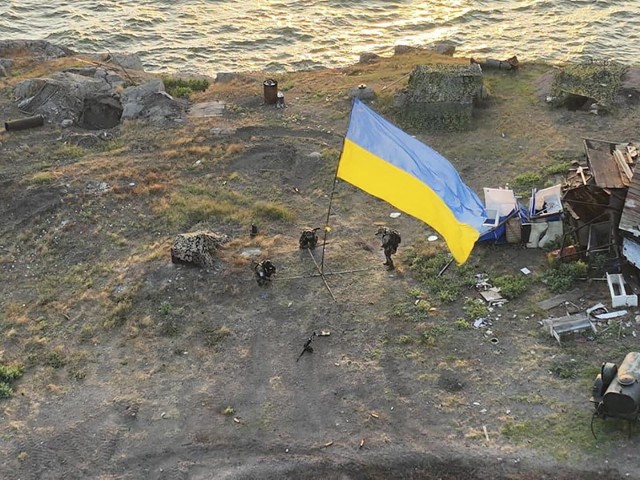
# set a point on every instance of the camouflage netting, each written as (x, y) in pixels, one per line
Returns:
(440, 97)
(197, 248)
(592, 80)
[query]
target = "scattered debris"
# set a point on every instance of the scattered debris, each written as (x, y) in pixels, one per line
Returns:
(374, 415)
(361, 444)
(570, 323)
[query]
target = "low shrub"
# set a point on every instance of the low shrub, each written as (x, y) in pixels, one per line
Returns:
(184, 87)
(560, 277)
(512, 286)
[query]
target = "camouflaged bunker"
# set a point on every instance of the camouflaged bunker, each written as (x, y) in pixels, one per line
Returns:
(590, 86)
(441, 96)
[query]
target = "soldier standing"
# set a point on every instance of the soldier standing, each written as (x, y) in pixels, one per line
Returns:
(390, 239)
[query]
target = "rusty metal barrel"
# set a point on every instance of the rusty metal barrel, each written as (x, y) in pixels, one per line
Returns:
(24, 123)
(270, 91)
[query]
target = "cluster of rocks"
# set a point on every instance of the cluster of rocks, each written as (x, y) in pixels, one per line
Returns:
(95, 97)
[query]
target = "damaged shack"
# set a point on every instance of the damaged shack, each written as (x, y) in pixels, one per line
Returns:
(594, 199)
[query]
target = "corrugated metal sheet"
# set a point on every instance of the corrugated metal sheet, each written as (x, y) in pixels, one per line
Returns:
(630, 219)
(604, 167)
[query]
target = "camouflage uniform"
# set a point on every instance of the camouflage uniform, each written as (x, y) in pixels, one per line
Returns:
(309, 238)
(390, 240)
(263, 272)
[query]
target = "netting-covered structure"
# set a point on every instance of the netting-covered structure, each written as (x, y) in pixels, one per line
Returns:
(440, 96)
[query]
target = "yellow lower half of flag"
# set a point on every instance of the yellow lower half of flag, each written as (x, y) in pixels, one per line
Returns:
(407, 193)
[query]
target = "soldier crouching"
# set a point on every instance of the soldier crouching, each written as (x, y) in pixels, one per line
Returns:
(263, 272)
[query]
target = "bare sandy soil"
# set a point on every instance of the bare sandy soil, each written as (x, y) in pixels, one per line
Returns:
(138, 368)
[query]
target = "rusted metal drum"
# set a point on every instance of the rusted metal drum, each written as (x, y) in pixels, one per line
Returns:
(270, 91)
(24, 123)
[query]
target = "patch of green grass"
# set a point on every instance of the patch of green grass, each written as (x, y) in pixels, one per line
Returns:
(564, 435)
(40, 178)
(165, 308)
(462, 324)
(8, 374)
(474, 308)
(194, 204)
(526, 181)
(405, 339)
(119, 314)
(213, 336)
(512, 286)
(426, 269)
(431, 334)
(274, 212)
(561, 277)
(565, 369)
(184, 87)
(560, 168)
(228, 411)
(56, 359)
(111, 145)
(67, 152)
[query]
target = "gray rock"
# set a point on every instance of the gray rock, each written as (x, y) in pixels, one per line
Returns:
(226, 77)
(66, 123)
(151, 102)
(38, 48)
(401, 49)
(443, 48)
(63, 96)
(362, 92)
(6, 64)
(368, 57)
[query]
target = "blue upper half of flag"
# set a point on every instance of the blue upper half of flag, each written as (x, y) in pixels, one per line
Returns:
(379, 137)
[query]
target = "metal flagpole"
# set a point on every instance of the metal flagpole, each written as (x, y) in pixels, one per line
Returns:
(326, 223)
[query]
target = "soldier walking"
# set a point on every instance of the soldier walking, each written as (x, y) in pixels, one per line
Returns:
(390, 239)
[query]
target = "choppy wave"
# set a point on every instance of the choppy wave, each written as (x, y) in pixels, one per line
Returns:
(209, 36)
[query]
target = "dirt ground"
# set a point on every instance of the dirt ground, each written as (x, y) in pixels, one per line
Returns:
(138, 368)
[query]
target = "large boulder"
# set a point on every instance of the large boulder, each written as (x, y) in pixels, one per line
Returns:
(197, 248)
(150, 102)
(5, 67)
(66, 96)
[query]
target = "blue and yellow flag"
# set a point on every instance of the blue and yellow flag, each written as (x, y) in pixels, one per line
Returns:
(386, 162)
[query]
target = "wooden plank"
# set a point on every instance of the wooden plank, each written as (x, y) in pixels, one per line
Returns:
(622, 164)
(549, 303)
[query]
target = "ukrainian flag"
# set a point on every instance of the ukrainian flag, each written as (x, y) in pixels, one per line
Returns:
(386, 162)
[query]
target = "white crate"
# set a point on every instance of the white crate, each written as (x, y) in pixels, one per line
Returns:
(619, 295)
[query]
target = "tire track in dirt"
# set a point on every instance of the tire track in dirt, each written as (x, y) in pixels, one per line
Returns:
(80, 450)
